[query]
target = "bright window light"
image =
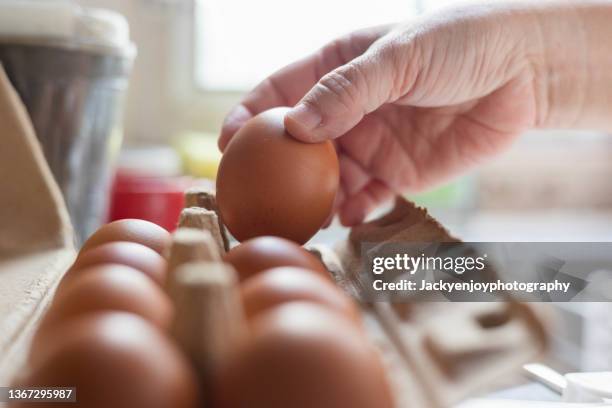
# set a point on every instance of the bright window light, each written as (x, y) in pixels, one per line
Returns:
(240, 42)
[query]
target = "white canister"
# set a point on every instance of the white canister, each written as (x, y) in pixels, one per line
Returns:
(70, 66)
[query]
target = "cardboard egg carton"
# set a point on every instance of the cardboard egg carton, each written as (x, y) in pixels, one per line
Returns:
(35, 235)
(436, 353)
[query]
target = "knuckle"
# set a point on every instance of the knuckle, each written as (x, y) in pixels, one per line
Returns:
(345, 84)
(403, 58)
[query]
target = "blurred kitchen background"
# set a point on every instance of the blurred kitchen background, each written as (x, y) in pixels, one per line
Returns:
(196, 58)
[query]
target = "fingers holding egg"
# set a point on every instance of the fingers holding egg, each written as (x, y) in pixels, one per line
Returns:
(271, 184)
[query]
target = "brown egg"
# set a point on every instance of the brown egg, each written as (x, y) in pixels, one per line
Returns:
(131, 254)
(277, 286)
(302, 356)
(259, 254)
(140, 231)
(110, 287)
(271, 184)
(114, 360)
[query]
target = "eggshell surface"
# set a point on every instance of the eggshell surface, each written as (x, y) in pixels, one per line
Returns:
(114, 360)
(140, 231)
(271, 184)
(137, 256)
(110, 287)
(278, 286)
(259, 254)
(302, 356)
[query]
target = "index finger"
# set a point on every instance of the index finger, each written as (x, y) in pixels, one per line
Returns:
(289, 84)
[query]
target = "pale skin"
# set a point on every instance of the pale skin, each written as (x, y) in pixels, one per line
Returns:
(412, 105)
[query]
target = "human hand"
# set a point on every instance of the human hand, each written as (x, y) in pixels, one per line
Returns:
(413, 105)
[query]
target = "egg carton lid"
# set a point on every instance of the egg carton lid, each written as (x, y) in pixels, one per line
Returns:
(66, 24)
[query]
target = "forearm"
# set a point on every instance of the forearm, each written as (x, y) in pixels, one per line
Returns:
(573, 73)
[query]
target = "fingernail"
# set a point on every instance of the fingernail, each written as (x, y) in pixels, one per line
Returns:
(305, 115)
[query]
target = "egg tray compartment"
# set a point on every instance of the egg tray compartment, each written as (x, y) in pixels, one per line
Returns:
(437, 352)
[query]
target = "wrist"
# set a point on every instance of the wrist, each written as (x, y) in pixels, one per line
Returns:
(572, 65)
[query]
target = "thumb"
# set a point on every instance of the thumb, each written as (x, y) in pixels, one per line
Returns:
(343, 96)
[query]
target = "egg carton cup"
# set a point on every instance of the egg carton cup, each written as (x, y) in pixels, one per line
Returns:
(436, 353)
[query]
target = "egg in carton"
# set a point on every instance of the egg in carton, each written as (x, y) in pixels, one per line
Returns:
(242, 354)
(437, 353)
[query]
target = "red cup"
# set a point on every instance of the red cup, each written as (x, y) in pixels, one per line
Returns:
(156, 199)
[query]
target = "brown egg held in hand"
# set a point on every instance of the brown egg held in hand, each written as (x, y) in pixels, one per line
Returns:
(131, 254)
(110, 287)
(271, 184)
(140, 231)
(288, 284)
(114, 360)
(302, 356)
(259, 254)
